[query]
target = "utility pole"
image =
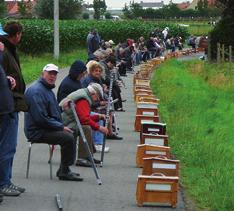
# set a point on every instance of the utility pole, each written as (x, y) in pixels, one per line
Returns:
(56, 29)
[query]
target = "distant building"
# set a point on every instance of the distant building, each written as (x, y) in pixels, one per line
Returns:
(153, 5)
(194, 3)
(183, 5)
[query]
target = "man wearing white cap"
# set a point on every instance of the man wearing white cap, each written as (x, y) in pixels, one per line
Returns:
(43, 122)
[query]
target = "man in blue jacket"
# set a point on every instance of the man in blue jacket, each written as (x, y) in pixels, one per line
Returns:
(43, 122)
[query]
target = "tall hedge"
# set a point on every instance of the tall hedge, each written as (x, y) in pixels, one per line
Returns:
(222, 33)
(38, 34)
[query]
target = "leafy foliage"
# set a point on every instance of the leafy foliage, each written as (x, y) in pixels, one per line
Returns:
(99, 7)
(228, 7)
(2, 8)
(68, 9)
(38, 34)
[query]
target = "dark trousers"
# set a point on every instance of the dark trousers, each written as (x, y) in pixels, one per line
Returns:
(67, 142)
(116, 93)
(82, 153)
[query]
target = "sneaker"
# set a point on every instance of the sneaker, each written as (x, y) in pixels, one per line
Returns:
(14, 187)
(98, 148)
(6, 191)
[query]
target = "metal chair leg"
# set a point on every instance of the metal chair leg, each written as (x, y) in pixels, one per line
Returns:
(28, 161)
(51, 150)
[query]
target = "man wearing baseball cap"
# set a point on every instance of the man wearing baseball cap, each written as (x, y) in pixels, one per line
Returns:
(43, 123)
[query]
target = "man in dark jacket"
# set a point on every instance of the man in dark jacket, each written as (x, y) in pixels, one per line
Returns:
(11, 66)
(72, 82)
(43, 122)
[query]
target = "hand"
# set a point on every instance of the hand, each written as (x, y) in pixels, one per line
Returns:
(103, 130)
(103, 103)
(102, 116)
(12, 81)
(1, 46)
(67, 129)
(66, 105)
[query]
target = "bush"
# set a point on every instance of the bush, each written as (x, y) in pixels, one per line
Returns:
(222, 33)
(38, 34)
(85, 16)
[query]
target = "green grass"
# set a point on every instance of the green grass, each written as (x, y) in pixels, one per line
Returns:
(197, 103)
(32, 66)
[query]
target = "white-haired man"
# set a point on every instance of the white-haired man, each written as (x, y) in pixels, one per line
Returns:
(84, 99)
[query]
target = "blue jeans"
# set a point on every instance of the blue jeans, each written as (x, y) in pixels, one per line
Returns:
(8, 143)
(97, 135)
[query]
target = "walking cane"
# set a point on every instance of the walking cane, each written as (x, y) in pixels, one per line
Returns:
(72, 105)
(107, 116)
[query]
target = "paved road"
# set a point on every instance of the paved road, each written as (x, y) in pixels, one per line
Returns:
(119, 174)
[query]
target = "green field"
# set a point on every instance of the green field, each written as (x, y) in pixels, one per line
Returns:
(32, 66)
(197, 103)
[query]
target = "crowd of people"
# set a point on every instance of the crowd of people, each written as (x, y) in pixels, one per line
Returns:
(49, 119)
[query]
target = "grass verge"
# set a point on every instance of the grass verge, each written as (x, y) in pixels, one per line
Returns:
(197, 103)
(32, 66)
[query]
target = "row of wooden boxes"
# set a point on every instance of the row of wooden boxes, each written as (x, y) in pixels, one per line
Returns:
(158, 183)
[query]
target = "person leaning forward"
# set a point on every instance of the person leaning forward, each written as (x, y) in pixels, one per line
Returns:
(84, 99)
(43, 123)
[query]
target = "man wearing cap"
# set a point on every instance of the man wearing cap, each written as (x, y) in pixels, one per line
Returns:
(10, 37)
(43, 122)
(84, 99)
(72, 82)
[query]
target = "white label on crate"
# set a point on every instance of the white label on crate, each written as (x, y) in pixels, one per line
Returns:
(147, 113)
(163, 166)
(154, 141)
(143, 121)
(146, 106)
(153, 130)
(157, 187)
(150, 152)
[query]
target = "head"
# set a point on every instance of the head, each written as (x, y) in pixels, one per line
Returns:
(96, 92)
(110, 61)
(14, 30)
(49, 73)
(77, 70)
(94, 69)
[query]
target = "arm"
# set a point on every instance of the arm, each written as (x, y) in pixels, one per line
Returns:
(38, 111)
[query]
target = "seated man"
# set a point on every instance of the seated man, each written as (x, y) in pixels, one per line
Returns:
(84, 99)
(43, 122)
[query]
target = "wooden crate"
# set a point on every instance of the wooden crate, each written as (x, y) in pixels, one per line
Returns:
(153, 127)
(160, 190)
(149, 109)
(147, 151)
(159, 165)
(147, 99)
(140, 118)
(152, 139)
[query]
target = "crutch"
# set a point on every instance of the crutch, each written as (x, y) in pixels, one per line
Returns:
(107, 115)
(72, 105)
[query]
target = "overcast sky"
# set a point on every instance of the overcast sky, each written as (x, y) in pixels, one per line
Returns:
(120, 3)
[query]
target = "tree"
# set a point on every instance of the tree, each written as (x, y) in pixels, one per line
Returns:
(68, 9)
(126, 11)
(227, 6)
(85, 15)
(136, 9)
(108, 15)
(2, 8)
(99, 7)
(25, 8)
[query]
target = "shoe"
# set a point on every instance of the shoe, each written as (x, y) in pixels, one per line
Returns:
(98, 148)
(69, 176)
(14, 187)
(95, 161)
(6, 191)
(65, 170)
(83, 162)
(120, 109)
(113, 136)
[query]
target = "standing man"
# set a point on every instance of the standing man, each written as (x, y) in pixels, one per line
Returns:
(93, 43)
(43, 122)
(11, 66)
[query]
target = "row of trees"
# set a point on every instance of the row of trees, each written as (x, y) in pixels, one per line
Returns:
(134, 10)
(68, 9)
